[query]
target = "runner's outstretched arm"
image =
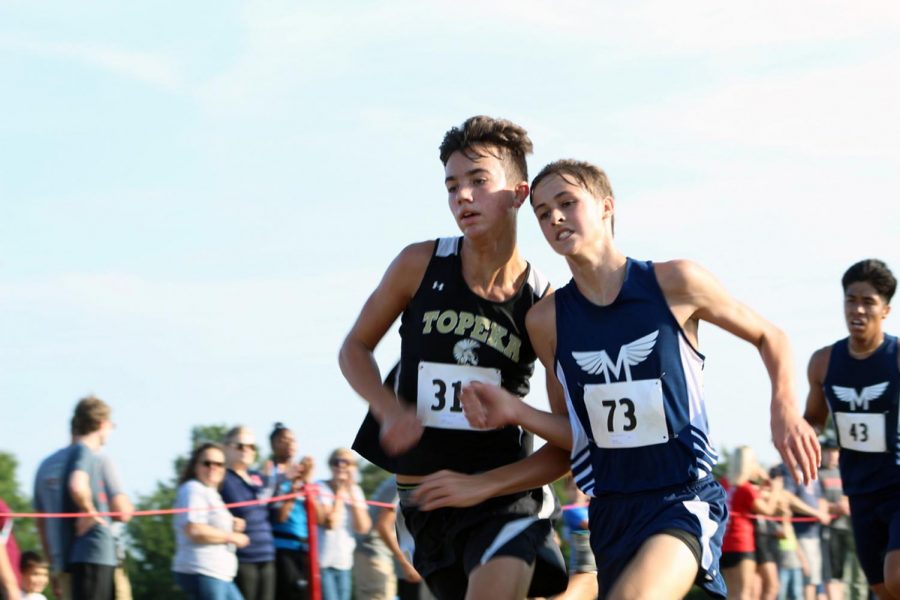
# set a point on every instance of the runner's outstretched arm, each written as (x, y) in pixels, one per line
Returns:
(693, 293)
(490, 406)
(449, 488)
(400, 429)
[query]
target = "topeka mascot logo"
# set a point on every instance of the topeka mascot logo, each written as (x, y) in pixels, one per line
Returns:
(464, 352)
(630, 354)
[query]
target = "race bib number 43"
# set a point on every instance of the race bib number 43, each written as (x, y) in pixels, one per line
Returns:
(863, 432)
(440, 384)
(627, 414)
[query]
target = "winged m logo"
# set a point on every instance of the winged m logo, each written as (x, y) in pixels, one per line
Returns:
(861, 399)
(630, 354)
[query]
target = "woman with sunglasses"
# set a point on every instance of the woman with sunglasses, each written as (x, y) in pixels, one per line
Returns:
(207, 534)
(256, 562)
(341, 511)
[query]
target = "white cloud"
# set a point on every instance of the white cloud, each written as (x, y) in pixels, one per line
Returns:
(145, 67)
(660, 26)
(256, 318)
(846, 110)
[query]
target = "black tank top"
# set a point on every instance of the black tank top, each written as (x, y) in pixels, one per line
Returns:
(448, 334)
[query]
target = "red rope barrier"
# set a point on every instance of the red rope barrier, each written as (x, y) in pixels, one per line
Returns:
(315, 583)
(773, 518)
(170, 511)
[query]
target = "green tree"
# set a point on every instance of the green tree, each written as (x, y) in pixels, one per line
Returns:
(152, 543)
(370, 477)
(152, 538)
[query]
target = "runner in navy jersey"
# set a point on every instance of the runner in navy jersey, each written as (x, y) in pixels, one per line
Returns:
(462, 303)
(858, 380)
(620, 342)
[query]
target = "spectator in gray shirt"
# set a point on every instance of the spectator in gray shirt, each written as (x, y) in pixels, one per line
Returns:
(91, 555)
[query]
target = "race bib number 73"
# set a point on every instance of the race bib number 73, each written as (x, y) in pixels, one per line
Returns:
(440, 385)
(627, 414)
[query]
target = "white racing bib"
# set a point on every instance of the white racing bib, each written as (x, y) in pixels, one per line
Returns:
(627, 414)
(440, 384)
(863, 432)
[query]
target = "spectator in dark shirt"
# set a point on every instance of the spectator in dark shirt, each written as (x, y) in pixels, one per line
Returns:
(256, 562)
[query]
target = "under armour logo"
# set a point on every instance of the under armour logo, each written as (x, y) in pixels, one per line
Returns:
(438, 285)
(630, 354)
(862, 399)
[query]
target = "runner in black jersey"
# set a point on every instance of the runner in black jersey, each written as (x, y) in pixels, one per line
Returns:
(858, 380)
(463, 303)
(620, 341)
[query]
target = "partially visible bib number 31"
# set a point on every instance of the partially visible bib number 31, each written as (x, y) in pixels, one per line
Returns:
(440, 385)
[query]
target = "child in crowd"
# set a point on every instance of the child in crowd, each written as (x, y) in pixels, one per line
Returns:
(35, 575)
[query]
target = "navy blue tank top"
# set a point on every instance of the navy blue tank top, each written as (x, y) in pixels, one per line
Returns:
(633, 386)
(863, 396)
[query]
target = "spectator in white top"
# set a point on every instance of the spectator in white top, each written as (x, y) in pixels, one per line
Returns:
(341, 512)
(207, 535)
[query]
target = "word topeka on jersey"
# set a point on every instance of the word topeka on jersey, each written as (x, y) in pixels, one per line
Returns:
(476, 327)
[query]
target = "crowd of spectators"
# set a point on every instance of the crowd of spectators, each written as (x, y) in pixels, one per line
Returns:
(783, 540)
(258, 550)
(787, 540)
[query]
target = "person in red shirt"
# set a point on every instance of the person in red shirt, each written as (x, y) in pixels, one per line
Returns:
(10, 579)
(738, 562)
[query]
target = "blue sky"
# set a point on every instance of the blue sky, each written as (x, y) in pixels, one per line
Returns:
(197, 197)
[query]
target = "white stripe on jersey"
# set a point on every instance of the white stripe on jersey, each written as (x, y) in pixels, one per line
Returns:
(692, 365)
(538, 282)
(508, 532)
(580, 457)
(708, 527)
(447, 246)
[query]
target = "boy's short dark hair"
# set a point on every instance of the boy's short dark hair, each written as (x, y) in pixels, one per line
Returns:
(90, 412)
(589, 177)
(481, 134)
(30, 560)
(875, 272)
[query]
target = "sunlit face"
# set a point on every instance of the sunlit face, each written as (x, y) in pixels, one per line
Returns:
(480, 195)
(106, 428)
(284, 446)
(210, 467)
(35, 579)
(569, 216)
(864, 310)
(342, 463)
(241, 451)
